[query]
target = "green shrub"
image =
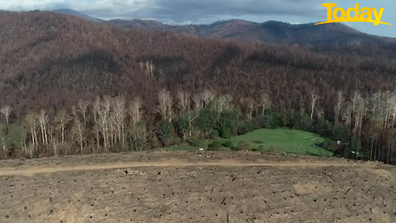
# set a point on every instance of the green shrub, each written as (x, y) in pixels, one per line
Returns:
(328, 144)
(255, 149)
(215, 145)
(261, 148)
(193, 142)
(226, 133)
(214, 134)
(228, 144)
(246, 127)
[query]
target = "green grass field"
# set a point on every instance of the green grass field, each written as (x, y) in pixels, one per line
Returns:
(282, 140)
(285, 140)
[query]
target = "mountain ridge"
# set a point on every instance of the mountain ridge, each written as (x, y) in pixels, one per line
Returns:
(268, 31)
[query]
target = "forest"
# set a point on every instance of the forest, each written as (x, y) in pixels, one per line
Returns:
(70, 86)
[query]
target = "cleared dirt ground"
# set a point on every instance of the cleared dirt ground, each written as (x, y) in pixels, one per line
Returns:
(185, 187)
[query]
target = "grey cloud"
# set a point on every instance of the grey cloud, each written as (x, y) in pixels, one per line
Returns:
(198, 10)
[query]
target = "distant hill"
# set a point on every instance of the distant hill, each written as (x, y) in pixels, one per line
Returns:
(78, 14)
(270, 31)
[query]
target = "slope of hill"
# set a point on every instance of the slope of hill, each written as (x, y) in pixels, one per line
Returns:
(51, 60)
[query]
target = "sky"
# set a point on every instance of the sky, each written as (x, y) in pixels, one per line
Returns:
(207, 11)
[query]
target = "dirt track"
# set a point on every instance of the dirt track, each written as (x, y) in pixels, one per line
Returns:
(182, 187)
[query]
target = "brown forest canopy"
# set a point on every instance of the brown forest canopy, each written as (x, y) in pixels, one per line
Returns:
(50, 60)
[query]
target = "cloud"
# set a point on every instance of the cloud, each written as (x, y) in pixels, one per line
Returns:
(175, 10)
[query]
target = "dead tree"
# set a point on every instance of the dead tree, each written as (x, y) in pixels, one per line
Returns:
(119, 116)
(135, 111)
(62, 118)
(249, 104)
(6, 111)
(207, 96)
(183, 101)
(198, 104)
(42, 118)
(83, 107)
(265, 102)
(314, 99)
(165, 104)
(337, 107)
(31, 124)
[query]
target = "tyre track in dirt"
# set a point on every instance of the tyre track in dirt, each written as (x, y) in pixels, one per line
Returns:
(26, 171)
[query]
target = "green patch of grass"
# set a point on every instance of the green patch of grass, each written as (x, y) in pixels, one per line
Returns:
(285, 140)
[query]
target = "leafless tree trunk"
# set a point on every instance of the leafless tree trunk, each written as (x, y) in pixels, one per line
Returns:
(83, 107)
(6, 111)
(184, 100)
(119, 113)
(43, 121)
(135, 110)
(314, 99)
(337, 108)
(265, 102)
(197, 99)
(62, 118)
(249, 105)
(207, 96)
(31, 123)
(165, 104)
(96, 109)
(103, 121)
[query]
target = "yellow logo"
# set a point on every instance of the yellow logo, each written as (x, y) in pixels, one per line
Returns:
(346, 16)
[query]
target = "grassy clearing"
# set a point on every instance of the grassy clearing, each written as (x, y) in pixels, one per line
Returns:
(285, 140)
(281, 140)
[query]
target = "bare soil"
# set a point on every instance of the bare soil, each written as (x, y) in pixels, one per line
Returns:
(187, 187)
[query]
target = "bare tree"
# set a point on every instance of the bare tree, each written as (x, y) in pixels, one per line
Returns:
(42, 118)
(337, 107)
(119, 116)
(314, 99)
(103, 121)
(249, 106)
(207, 96)
(83, 106)
(31, 123)
(198, 103)
(222, 103)
(165, 104)
(184, 100)
(62, 118)
(347, 115)
(3, 141)
(319, 112)
(135, 110)
(78, 130)
(191, 115)
(6, 111)
(96, 128)
(359, 109)
(265, 102)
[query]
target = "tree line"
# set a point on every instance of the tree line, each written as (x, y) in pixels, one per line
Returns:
(363, 125)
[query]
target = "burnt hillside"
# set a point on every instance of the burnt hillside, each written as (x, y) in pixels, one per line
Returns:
(52, 60)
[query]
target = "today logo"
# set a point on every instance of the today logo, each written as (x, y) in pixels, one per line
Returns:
(365, 14)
